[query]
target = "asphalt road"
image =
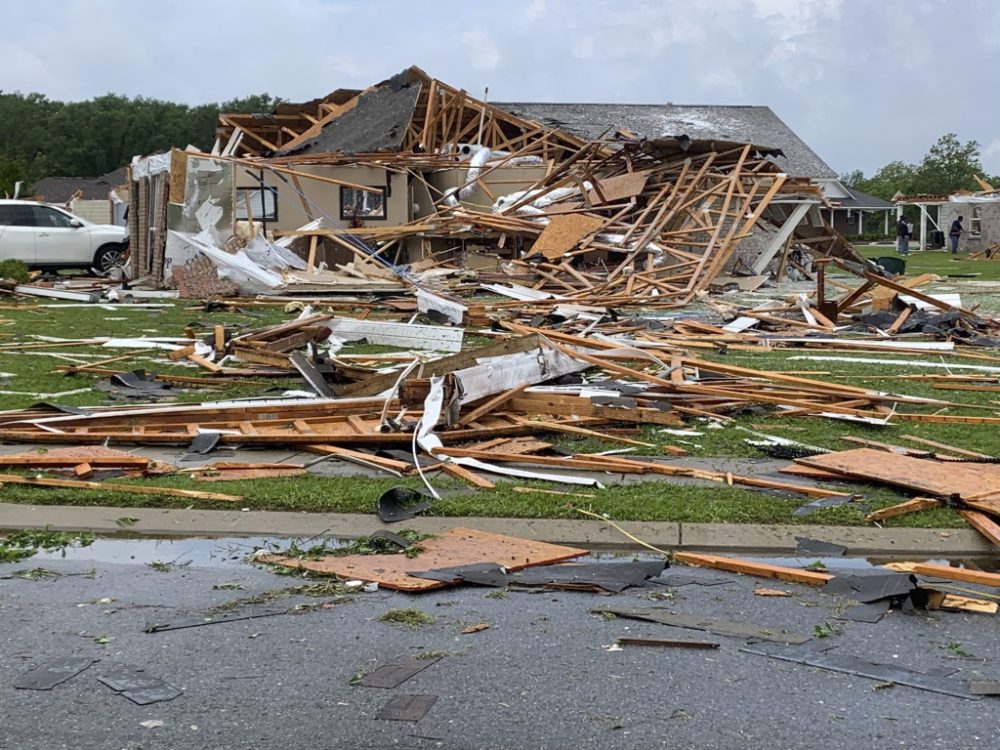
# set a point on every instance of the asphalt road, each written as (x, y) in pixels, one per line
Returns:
(541, 676)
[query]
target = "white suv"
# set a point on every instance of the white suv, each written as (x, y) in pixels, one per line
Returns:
(42, 235)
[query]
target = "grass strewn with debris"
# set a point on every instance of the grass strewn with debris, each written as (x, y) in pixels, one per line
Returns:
(653, 501)
(34, 371)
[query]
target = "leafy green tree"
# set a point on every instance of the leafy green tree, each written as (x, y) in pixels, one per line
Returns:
(949, 166)
(41, 137)
(853, 179)
(12, 170)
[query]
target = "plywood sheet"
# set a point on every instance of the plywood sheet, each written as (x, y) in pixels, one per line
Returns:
(453, 548)
(616, 188)
(564, 233)
(943, 478)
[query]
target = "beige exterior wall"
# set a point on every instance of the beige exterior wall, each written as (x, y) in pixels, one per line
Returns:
(97, 211)
(326, 197)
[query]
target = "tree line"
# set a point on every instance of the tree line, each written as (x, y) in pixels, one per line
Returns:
(42, 137)
(948, 167)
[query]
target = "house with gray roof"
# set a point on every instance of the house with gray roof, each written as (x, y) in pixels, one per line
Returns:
(91, 198)
(740, 123)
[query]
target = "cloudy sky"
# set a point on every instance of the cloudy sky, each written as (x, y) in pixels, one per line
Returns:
(863, 82)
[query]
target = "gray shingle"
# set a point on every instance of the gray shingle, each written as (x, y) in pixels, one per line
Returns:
(747, 124)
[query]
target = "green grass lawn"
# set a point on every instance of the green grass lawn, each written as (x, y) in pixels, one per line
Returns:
(641, 501)
(940, 262)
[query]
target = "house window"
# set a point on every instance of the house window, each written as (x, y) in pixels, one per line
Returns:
(362, 204)
(976, 220)
(263, 203)
(852, 218)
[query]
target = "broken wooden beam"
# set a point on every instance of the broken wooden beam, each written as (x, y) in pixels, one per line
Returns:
(751, 568)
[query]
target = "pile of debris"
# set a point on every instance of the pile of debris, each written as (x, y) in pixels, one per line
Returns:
(411, 183)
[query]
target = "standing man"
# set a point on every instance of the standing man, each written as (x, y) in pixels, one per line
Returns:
(902, 237)
(955, 232)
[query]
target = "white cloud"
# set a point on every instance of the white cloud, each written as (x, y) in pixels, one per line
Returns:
(841, 73)
(536, 10)
(482, 50)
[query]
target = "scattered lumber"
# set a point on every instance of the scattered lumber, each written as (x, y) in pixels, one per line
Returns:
(117, 487)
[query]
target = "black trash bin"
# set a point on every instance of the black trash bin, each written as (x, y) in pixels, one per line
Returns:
(895, 266)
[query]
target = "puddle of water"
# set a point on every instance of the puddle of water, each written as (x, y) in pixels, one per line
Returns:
(199, 552)
(233, 551)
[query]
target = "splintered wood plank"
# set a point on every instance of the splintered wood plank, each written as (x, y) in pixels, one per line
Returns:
(749, 567)
(981, 577)
(808, 471)
(116, 487)
(564, 233)
(460, 472)
(941, 478)
(983, 524)
(901, 509)
(227, 475)
(453, 548)
(34, 460)
(943, 446)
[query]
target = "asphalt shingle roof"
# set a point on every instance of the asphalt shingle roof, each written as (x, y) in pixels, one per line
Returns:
(744, 123)
(61, 189)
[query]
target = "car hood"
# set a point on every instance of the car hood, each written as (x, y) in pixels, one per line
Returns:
(108, 229)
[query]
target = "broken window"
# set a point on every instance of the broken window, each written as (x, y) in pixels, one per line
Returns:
(362, 204)
(976, 220)
(263, 203)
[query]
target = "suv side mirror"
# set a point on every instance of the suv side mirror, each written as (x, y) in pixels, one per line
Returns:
(75, 223)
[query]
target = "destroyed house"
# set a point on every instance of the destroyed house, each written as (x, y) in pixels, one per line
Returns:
(411, 172)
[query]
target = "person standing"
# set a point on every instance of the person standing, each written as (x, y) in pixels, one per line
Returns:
(902, 237)
(955, 232)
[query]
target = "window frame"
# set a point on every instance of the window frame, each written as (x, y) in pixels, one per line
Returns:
(976, 220)
(349, 216)
(262, 190)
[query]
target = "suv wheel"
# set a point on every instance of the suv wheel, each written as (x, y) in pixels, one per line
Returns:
(108, 257)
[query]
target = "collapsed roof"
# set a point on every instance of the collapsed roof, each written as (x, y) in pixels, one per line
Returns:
(639, 220)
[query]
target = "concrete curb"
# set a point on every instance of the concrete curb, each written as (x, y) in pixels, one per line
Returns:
(740, 538)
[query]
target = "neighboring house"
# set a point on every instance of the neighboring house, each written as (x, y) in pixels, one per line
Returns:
(862, 213)
(87, 197)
